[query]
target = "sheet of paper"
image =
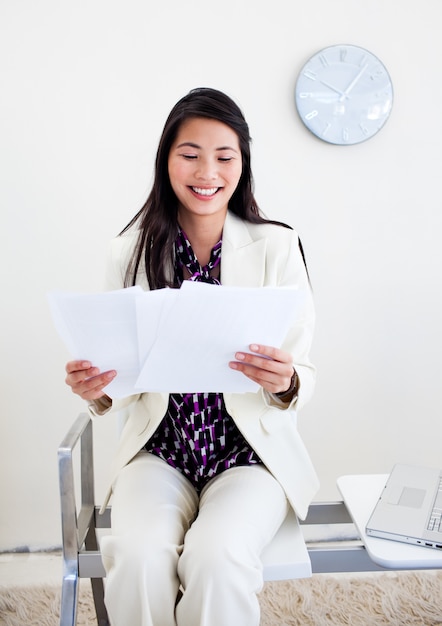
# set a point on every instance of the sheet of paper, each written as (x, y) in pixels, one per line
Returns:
(173, 340)
(199, 337)
(101, 328)
(152, 309)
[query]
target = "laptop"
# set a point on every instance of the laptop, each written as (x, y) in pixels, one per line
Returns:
(410, 507)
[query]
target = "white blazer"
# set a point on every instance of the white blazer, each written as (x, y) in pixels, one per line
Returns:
(253, 255)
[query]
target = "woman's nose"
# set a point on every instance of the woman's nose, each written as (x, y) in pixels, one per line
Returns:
(206, 170)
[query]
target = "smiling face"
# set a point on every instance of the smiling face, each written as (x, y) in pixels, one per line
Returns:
(205, 166)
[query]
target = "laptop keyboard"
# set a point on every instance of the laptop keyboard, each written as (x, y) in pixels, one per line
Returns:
(435, 522)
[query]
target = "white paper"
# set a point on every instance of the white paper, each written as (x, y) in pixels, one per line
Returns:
(171, 340)
(199, 340)
(102, 329)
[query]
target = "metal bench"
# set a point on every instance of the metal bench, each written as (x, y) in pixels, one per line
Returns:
(288, 556)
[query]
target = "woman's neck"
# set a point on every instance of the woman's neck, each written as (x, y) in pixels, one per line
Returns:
(202, 233)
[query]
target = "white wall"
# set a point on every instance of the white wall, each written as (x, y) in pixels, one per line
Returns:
(85, 88)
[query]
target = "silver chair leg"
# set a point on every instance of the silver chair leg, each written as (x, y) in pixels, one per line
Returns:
(78, 523)
(97, 585)
(69, 601)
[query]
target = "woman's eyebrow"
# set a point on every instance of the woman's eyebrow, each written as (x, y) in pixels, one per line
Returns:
(228, 148)
(190, 144)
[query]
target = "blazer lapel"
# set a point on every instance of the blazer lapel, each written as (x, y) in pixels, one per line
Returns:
(243, 258)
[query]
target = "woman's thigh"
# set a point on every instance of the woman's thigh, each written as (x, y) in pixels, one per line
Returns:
(248, 499)
(150, 497)
(239, 513)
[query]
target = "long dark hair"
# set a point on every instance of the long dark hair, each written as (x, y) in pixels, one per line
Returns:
(157, 219)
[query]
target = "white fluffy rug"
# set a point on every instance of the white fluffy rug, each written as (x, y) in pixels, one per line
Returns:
(401, 599)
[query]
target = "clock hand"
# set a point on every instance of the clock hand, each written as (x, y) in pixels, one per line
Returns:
(353, 83)
(339, 91)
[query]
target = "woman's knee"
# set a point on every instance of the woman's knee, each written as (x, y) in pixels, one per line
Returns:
(151, 558)
(142, 583)
(218, 558)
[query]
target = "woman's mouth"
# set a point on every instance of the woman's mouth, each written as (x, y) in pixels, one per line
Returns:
(205, 191)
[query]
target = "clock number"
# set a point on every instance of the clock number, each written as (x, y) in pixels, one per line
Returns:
(323, 60)
(310, 74)
(325, 131)
(345, 134)
(342, 55)
(305, 94)
(378, 72)
(364, 129)
(311, 115)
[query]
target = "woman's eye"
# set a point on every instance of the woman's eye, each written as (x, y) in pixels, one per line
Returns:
(225, 159)
(190, 157)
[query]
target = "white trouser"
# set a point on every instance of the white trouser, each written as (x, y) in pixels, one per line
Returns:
(164, 536)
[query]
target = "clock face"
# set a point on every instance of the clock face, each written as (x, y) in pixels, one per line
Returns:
(344, 94)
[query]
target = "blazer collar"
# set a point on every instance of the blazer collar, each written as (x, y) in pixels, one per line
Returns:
(243, 258)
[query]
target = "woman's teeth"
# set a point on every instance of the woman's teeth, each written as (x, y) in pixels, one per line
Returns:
(205, 192)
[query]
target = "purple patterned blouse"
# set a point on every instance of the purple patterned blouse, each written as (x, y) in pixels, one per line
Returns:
(197, 436)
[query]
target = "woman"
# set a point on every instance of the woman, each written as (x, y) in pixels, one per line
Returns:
(202, 482)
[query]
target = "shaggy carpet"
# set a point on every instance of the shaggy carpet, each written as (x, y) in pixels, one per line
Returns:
(402, 599)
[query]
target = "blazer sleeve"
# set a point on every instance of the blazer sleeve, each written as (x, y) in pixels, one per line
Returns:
(292, 272)
(119, 251)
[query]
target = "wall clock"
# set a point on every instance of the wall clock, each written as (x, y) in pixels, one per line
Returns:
(344, 94)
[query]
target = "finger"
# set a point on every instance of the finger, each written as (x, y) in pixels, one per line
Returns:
(261, 362)
(271, 379)
(99, 381)
(92, 388)
(79, 376)
(88, 379)
(265, 363)
(271, 352)
(74, 366)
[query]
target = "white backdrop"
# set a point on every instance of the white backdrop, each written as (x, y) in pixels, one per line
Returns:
(85, 89)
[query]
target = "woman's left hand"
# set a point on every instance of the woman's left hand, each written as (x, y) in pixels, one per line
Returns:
(270, 367)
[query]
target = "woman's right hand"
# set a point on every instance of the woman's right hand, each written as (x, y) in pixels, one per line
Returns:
(86, 380)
